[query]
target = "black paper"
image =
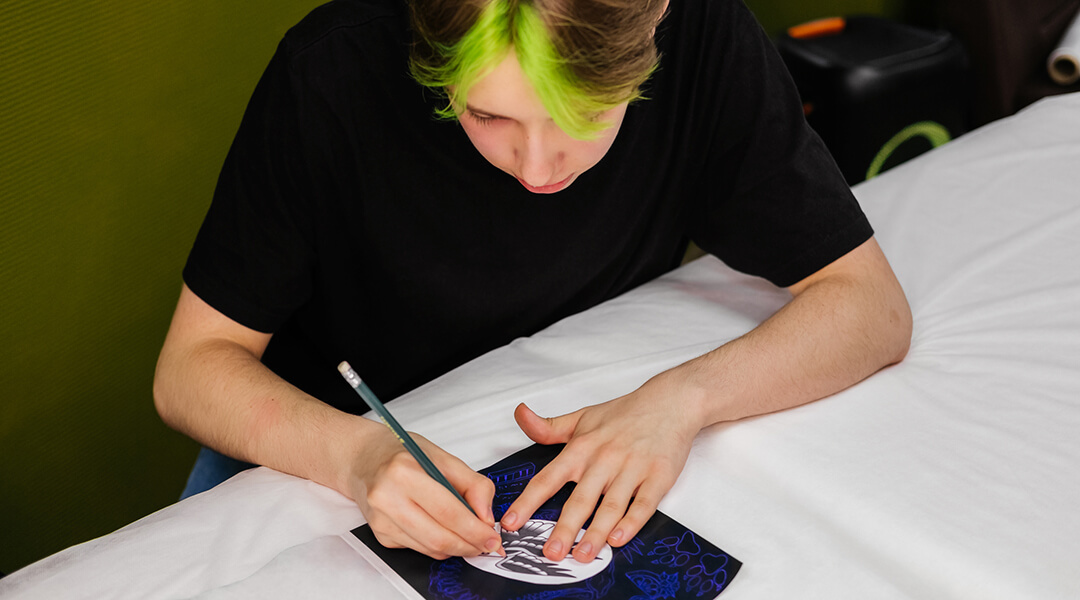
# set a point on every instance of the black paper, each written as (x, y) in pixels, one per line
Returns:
(665, 560)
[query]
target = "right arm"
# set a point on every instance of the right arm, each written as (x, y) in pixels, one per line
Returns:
(210, 385)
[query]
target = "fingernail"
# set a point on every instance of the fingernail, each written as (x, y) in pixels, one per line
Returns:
(555, 548)
(584, 549)
(616, 537)
(491, 546)
(510, 520)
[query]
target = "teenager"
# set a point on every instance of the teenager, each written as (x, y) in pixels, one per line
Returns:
(414, 184)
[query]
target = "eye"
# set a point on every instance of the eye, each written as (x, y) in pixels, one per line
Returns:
(482, 119)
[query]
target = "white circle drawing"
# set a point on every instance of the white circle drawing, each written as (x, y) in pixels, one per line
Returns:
(525, 559)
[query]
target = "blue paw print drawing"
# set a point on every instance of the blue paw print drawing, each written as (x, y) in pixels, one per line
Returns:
(703, 573)
(675, 551)
(708, 575)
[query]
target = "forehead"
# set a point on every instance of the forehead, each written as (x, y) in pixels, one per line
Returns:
(507, 92)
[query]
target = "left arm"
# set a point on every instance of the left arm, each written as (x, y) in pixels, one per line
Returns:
(844, 322)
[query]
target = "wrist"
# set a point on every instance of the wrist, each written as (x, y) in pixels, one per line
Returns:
(364, 440)
(700, 391)
(350, 442)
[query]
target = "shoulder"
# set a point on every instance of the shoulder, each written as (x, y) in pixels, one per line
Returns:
(361, 25)
(708, 22)
(346, 50)
(708, 47)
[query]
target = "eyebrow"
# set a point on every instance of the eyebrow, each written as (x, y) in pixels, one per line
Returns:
(481, 111)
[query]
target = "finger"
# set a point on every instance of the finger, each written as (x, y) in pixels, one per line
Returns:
(409, 526)
(391, 536)
(641, 510)
(542, 487)
(607, 516)
(404, 485)
(420, 531)
(478, 490)
(554, 430)
(479, 494)
(576, 510)
(476, 529)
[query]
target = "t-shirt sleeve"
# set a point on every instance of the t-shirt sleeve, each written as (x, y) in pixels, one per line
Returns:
(252, 258)
(778, 206)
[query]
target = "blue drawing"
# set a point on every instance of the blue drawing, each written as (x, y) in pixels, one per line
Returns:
(594, 588)
(509, 483)
(445, 581)
(675, 551)
(570, 594)
(708, 576)
(665, 561)
(657, 586)
(631, 548)
(547, 514)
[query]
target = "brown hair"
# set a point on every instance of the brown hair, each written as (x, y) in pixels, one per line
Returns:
(605, 46)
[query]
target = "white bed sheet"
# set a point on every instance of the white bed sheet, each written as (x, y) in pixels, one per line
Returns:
(950, 475)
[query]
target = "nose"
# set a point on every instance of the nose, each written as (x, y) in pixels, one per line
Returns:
(539, 157)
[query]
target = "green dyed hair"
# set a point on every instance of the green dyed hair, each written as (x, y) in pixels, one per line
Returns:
(578, 69)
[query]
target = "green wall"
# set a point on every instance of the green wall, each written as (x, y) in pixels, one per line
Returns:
(114, 120)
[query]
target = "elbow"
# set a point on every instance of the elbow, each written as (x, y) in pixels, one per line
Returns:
(161, 388)
(903, 345)
(900, 325)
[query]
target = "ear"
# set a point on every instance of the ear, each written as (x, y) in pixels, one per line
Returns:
(663, 11)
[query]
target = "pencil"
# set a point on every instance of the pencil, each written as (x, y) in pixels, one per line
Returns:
(403, 436)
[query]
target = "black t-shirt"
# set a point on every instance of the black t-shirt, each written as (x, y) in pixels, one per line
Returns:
(354, 226)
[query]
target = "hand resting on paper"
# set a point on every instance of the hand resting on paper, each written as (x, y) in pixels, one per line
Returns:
(843, 323)
(630, 450)
(406, 508)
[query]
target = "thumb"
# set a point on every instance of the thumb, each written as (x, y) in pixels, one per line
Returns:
(554, 430)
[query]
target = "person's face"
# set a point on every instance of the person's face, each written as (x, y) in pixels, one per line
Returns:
(508, 124)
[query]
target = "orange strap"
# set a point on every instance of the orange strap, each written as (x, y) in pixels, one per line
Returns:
(818, 28)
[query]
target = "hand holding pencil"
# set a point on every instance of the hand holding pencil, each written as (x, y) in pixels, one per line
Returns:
(416, 495)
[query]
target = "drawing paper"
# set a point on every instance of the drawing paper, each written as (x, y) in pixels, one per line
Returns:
(664, 561)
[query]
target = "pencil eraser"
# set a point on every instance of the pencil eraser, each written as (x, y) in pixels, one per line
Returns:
(344, 367)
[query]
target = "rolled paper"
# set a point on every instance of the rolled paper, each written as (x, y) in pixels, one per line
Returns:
(1064, 62)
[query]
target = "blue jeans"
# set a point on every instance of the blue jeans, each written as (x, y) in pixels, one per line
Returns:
(211, 468)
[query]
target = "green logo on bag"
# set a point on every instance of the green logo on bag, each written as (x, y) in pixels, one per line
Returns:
(933, 132)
